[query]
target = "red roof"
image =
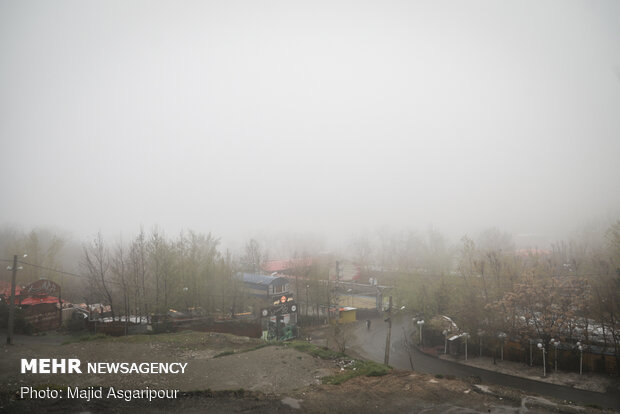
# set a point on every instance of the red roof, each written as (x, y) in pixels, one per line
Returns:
(281, 265)
(5, 289)
(39, 300)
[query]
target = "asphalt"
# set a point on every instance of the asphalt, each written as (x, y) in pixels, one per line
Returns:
(370, 344)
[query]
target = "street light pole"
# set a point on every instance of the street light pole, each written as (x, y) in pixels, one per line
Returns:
(466, 337)
(502, 336)
(580, 347)
(556, 344)
(542, 348)
(9, 337)
(420, 324)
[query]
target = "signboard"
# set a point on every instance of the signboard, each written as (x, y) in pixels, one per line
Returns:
(281, 309)
(42, 287)
(287, 297)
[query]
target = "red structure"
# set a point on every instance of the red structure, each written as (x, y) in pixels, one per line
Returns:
(40, 301)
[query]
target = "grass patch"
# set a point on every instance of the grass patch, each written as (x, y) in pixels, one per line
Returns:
(183, 337)
(359, 368)
(301, 346)
(186, 339)
(225, 353)
(86, 338)
(240, 351)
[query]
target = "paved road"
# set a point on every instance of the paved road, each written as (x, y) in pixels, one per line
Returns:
(371, 345)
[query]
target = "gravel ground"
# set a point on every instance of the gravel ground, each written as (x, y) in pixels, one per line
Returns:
(270, 369)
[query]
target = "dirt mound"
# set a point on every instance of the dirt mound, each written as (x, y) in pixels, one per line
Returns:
(268, 369)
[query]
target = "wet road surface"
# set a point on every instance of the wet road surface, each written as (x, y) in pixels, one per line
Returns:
(370, 344)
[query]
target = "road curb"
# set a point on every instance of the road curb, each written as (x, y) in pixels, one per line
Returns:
(509, 375)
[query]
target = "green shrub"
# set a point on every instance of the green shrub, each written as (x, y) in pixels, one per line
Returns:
(221, 354)
(357, 369)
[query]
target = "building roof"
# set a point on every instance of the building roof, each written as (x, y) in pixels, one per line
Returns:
(281, 265)
(532, 252)
(39, 300)
(264, 280)
(5, 289)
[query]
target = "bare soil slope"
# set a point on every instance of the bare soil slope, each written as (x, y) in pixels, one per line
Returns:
(236, 374)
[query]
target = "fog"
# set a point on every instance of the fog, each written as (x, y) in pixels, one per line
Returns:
(327, 118)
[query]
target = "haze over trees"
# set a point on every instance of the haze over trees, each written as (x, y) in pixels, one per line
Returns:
(539, 294)
(485, 283)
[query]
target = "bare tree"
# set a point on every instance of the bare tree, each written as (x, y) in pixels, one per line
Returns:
(252, 258)
(138, 262)
(97, 265)
(341, 334)
(119, 268)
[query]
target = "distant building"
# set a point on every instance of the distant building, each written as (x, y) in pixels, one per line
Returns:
(5, 292)
(347, 314)
(300, 267)
(264, 286)
(40, 302)
(290, 267)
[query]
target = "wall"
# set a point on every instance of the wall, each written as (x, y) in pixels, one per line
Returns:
(43, 317)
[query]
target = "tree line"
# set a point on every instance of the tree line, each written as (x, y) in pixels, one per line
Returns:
(568, 292)
(153, 273)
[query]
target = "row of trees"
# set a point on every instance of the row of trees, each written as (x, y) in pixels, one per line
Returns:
(44, 248)
(153, 273)
(484, 283)
(567, 292)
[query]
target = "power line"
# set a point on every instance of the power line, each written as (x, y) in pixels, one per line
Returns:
(45, 268)
(52, 270)
(107, 281)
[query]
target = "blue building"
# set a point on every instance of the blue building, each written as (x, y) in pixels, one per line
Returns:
(264, 286)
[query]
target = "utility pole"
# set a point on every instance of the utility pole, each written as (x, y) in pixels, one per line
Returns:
(9, 337)
(389, 333)
(337, 275)
(333, 298)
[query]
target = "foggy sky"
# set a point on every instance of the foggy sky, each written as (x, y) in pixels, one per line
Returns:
(331, 117)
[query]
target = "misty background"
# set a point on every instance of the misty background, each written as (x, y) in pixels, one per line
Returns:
(322, 119)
